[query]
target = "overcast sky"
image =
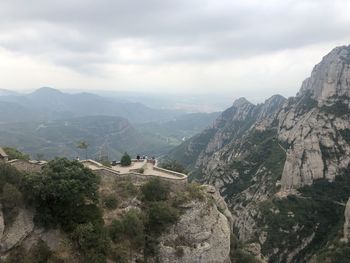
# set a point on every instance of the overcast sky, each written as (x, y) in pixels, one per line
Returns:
(238, 48)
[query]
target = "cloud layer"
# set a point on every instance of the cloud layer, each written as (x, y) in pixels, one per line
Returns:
(156, 45)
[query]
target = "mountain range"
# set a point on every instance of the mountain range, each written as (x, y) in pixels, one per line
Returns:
(283, 167)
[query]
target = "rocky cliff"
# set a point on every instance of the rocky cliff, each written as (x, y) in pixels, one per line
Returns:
(283, 165)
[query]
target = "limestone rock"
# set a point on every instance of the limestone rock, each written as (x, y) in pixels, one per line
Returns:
(347, 222)
(21, 227)
(202, 234)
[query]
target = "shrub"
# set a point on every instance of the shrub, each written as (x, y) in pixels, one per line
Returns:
(155, 190)
(62, 191)
(116, 230)
(160, 215)
(134, 228)
(179, 252)
(11, 199)
(126, 188)
(110, 201)
(13, 153)
(125, 160)
(92, 241)
(40, 252)
(120, 253)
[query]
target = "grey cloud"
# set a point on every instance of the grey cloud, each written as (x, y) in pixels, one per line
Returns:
(81, 32)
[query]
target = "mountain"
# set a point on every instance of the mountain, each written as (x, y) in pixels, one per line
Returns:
(283, 167)
(104, 134)
(51, 104)
(5, 92)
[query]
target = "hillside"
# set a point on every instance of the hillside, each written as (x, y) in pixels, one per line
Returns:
(64, 212)
(283, 167)
(47, 104)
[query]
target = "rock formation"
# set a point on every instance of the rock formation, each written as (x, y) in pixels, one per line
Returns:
(202, 233)
(270, 160)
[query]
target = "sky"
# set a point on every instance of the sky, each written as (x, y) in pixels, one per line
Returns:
(235, 48)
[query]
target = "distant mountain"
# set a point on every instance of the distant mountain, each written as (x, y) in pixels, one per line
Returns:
(180, 128)
(5, 92)
(51, 104)
(104, 134)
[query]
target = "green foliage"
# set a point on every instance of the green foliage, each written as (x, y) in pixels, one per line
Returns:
(134, 227)
(338, 108)
(116, 230)
(120, 252)
(155, 190)
(125, 160)
(173, 165)
(337, 253)
(11, 199)
(110, 201)
(11, 175)
(40, 253)
(13, 153)
(61, 192)
(126, 188)
(237, 253)
(316, 211)
(92, 241)
(160, 215)
(345, 134)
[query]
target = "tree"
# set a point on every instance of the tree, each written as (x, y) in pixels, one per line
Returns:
(125, 160)
(84, 146)
(65, 193)
(13, 153)
(155, 190)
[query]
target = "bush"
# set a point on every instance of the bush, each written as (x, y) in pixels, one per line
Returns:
(62, 191)
(120, 253)
(11, 199)
(155, 190)
(92, 241)
(125, 160)
(134, 228)
(110, 201)
(13, 153)
(40, 252)
(160, 215)
(116, 230)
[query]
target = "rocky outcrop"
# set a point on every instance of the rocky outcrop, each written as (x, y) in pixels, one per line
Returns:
(202, 233)
(261, 157)
(15, 233)
(331, 77)
(346, 227)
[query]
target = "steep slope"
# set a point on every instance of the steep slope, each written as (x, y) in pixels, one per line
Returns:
(283, 166)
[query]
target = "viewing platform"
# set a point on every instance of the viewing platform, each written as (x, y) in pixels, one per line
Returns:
(139, 167)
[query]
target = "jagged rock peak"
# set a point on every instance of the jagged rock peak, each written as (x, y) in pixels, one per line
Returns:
(240, 102)
(331, 77)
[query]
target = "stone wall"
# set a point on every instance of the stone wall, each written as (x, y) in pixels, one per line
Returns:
(26, 166)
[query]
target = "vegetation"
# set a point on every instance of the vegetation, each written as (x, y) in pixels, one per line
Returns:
(15, 154)
(155, 190)
(338, 108)
(65, 194)
(125, 160)
(110, 201)
(318, 211)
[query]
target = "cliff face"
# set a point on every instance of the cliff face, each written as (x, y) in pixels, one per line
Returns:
(201, 235)
(270, 161)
